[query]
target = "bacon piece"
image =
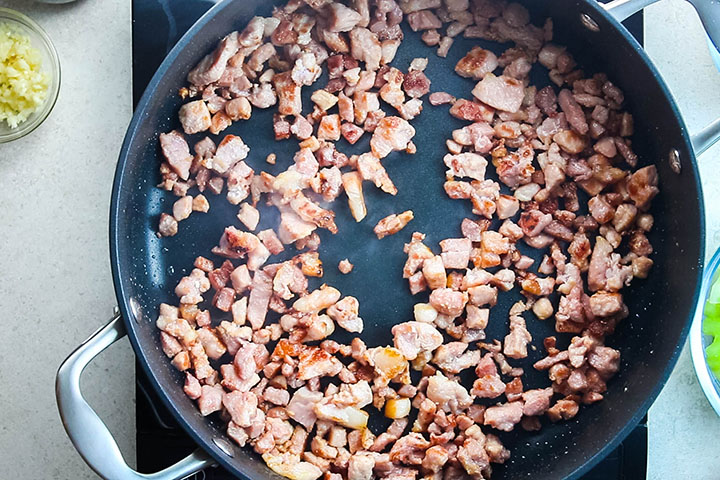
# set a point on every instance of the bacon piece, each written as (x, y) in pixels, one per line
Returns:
(365, 47)
(351, 132)
(292, 227)
(467, 164)
(473, 111)
(449, 395)
(448, 301)
(371, 169)
(352, 183)
(502, 93)
(177, 153)
(416, 84)
(345, 313)
(262, 289)
(642, 186)
(452, 357)
(194, 117)
(309, 211)
(414, 338)
(263, 96)
(249, 216)
(477, 63)
(417, 253)
(441, 98)
(423, 20)
(211, 67)
(329, 128)
(455, 252)
(392, 133)
(515, 345)
(536, 402)
(271, 241)
(316, 362)
(392, 224)
(573, 112)
(210, 399)
(230, 151)
(290, 102)
(192, 387)
(504, 416)
(564, 409)
(488, 383)
(167, 226)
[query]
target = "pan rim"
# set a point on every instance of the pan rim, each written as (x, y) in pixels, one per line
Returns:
(120, 288)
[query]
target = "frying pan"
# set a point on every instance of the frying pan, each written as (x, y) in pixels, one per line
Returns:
(146, 269)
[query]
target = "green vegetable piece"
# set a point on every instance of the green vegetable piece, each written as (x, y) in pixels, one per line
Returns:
(713, 356)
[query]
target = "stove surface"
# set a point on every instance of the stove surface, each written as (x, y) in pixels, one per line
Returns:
(157, 25)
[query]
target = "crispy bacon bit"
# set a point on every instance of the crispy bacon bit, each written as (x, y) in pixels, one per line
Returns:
(502, 93)
(371, 169)
(392, 224)
(345, 266)
(177, 153)
(504, 416)
(352, 183)
(472, 111)
(414, 338)
(392, 133)
(467, 164)
(477, 63)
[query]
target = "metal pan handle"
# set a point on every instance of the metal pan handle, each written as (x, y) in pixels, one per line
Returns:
(88, 432)
(709, 12)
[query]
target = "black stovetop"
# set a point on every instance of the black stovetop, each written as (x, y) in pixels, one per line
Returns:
(157, 25)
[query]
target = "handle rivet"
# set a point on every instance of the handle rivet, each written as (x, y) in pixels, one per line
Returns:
(674, 160)
(225, 446)
(589, 23)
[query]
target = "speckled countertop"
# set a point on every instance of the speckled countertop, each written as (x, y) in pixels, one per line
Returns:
(55, 282)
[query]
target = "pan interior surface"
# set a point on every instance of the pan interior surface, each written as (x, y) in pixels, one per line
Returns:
(146, 268)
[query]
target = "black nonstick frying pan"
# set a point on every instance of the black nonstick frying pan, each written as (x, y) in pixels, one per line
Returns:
(146, 268)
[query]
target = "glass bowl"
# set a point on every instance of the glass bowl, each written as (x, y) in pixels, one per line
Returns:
(50, 64)
(699, 341)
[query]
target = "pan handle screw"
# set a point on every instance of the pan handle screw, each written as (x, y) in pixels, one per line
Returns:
(224, 445)
(674, 159)
(589, 23)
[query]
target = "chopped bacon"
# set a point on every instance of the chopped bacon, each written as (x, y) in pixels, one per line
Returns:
(271, 241)
(371, 169)
(413, 338)
(502, 93)
(504, 416)
(352, 183)
(260, 294)
(441, 98)
(423, 20)
(177, 153)
(452, 357)
(467, 164)
(448, 301)
(416, 84)
(515, 345)
(392, 133)
(365, 47)
(473, 111)
(449, 395)
(194, 117)
(477, 63)
(392, 224)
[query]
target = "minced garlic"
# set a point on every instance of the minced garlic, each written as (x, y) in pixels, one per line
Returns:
(23, 84)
